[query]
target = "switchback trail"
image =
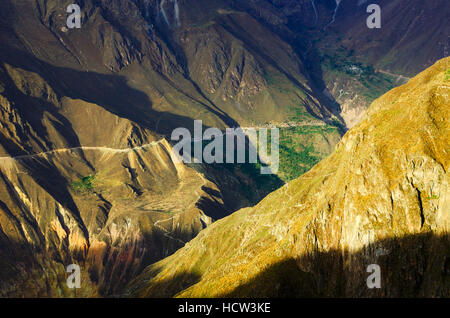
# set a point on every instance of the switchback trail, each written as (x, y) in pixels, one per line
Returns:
(83, 148)
(127, 150)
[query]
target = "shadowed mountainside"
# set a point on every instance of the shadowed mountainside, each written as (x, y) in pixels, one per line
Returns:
(348, 62)
(423, 261)
(70, 99)
(381, 196)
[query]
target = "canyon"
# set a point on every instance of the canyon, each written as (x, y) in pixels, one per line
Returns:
(381, 198)
(88, 176)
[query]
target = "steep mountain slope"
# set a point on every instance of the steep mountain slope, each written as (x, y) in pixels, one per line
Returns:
(85, 118)
(349, 62)
(359, 64)
(381, 198)
(163, 63)
(70, 193)
(86, 175)
(413, 34)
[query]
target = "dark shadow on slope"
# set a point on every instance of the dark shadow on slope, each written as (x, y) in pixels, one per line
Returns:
(241, 184)
(46, 174)
(111, 92)
(167, 34)
(415, 266)
(108, 91)
(163, 289)
(38, 270)
(412, 266)
(211, 206)
(294, 33)
(41, 110)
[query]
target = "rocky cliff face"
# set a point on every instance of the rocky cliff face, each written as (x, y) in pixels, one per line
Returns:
(349, 62)
(110, 210)
(360, 64)
(161, 64)
(381, 198)
(87, 176)
(86, 116)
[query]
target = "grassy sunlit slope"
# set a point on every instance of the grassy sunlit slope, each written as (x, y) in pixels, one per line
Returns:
(381, 198)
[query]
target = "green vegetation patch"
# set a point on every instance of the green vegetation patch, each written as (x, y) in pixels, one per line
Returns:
(299, 154)
(432, 197)
(85, 184)
(299, 113)
(343, 64)
(447, 75)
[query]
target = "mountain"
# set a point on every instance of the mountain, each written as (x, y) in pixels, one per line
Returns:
(382, 197)
(357, 64)
(350, 63)
(212, 61)
(87, 174)
(86, 116)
